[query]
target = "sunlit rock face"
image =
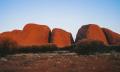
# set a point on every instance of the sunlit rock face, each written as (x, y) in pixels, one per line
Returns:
(61, 38)
(112, 37)
(15, 35)
(92, 32)
(32, 34)
(36, 34)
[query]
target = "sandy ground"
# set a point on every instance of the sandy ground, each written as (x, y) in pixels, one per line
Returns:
(66, 62)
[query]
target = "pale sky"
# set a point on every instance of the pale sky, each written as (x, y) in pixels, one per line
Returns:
(69, 15)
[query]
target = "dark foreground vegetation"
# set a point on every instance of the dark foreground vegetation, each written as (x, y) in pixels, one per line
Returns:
(84, 48)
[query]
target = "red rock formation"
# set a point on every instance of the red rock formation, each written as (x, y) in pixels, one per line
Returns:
(61, 38)
(112, 37)
(32, 34)
(36, 34)
(91, 31)
(13, 35)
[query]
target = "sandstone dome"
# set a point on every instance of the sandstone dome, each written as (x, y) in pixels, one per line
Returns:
(32, 34)
(91, 31)
(112, 37)
(61, 38)
(36, 34)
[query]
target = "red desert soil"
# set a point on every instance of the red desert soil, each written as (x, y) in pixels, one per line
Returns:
(60, 63)
(91, 31)
(61, 38)
(112, 37)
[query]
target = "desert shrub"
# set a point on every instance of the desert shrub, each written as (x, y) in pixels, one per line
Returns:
(66, 48)
(37, 49)
(6, 46)
(111, 48)
(87, 46)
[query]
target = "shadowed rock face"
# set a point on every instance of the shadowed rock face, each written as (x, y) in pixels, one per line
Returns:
(32, 34)
(112, 37)
(92, 32)
(61, 38)
(88, 43)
